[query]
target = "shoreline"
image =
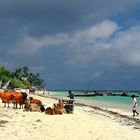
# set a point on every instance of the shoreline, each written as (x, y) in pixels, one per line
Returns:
(121, 103)
(122, 117)
(87, 122)
(113, 114)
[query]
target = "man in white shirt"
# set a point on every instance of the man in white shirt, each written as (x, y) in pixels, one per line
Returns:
(134, 105)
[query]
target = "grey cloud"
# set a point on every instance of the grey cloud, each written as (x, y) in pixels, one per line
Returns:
(77, 49)
(82, 49)
(126, 46)
(52, 16)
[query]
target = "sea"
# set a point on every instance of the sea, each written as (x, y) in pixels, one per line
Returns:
(123, 103)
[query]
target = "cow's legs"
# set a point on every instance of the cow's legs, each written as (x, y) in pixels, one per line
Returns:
(16, 105)
(8, 104)
(4, 104)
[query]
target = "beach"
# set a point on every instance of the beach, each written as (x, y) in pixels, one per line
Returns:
(86, 123)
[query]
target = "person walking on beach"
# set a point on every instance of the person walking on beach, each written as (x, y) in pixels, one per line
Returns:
(134, 105)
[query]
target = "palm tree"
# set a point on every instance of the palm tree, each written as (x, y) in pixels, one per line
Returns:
(25, 71)
(17, 73)
(5, 75)
(20, 77)
(4, 71)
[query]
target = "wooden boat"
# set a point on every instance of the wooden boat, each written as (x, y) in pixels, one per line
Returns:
(125, 93)
(85, 94)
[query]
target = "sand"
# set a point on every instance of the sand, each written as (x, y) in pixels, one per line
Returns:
(86, 123)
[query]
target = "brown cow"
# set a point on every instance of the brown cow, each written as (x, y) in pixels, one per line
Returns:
(49, 111)
(18, 99)
(6, 97)
(34, 107)
(29, 106)
(36, 101)
(57, 109)
(14, 97)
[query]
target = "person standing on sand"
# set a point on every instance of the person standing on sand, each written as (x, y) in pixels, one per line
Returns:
(71, 96)
(134, 105)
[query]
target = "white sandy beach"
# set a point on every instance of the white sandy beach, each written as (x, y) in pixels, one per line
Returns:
(84, 124)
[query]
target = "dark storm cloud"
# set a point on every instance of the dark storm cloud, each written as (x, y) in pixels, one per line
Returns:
(52, 16)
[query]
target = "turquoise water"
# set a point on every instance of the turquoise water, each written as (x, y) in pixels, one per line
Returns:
(118, 102)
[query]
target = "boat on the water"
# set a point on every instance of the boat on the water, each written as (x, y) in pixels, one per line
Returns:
(87, 94)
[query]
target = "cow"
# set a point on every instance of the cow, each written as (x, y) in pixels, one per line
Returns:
(49, 111)
(33, 106)
(6, 97)
(36, 101)
(57, 109)
(19, 98)
(13, 97)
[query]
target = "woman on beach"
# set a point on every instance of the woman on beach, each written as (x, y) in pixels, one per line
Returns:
(134, 105)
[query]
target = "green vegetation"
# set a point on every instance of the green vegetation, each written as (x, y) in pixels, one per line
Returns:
(20, 78)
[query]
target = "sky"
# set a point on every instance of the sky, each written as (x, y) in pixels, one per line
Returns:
(73, 44)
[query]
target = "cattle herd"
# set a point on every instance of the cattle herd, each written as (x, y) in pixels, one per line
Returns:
(21, 100)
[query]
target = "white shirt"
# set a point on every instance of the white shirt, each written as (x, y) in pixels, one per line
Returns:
(134, 103)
